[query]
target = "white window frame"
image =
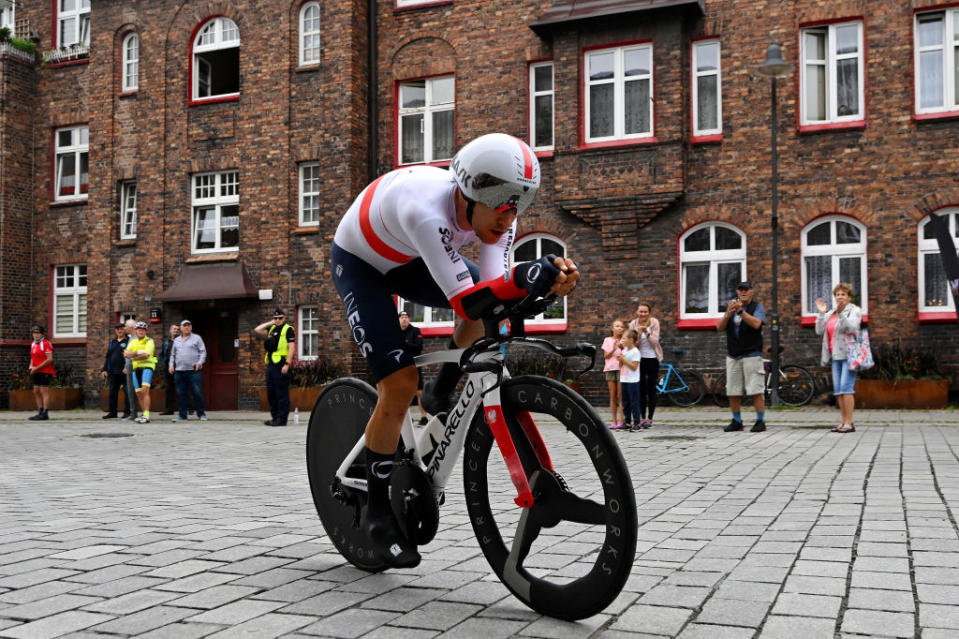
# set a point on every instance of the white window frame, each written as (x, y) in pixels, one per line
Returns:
(309, 40)
(308, 324)
(427, 110)
(537, 238)
(618, 81)
(533, 95)
(427, 321)
(130, 65)
(719, 87)
(947, 49)
(309, 192)
(950, 216)
(712, 257)
(830, 62)
(408, 4)
(224, 34)
(80, 14)
(127, 315)
(70, 280)
(8, 15)
(836, 251)
(224, 190)
(128, 209)
(79, 148)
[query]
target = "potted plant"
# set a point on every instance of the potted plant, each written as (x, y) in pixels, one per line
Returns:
(902, 378)
(65, 390)
(307, 379)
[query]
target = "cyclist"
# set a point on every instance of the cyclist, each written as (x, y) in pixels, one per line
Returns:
(141, 351)
(402, 235)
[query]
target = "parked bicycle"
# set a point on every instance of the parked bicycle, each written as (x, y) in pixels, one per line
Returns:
(540, 426)
(683, 387)
(796, 385)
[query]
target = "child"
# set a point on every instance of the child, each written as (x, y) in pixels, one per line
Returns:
(611, 351)
(629, 375)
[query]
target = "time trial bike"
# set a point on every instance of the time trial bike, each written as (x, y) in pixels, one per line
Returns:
(559, 478)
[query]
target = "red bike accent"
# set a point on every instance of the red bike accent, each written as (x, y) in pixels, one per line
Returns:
(535, 439)
(497, 425)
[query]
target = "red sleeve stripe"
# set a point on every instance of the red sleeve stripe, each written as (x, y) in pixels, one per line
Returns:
(378, 245)
(527, 161)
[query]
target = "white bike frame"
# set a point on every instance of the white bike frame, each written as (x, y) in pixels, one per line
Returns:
(480, 387)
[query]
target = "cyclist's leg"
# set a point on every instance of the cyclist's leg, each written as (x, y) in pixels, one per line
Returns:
(413, 281)
(371, 314)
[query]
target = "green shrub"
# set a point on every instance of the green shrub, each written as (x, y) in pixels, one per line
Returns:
(23, 44)
(894, 363)
(312, 373)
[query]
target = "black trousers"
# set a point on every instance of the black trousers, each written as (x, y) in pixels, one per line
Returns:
(648, 372)
(278, 392)
(116, 381)
(170, 403)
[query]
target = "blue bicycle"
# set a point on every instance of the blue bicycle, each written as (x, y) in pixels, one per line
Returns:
(683, 387)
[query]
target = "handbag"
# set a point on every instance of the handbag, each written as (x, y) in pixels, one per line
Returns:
(858, 351)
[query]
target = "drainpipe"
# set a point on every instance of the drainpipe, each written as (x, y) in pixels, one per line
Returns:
(372, 113)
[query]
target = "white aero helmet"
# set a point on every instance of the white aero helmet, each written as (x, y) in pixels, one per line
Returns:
(498, 170)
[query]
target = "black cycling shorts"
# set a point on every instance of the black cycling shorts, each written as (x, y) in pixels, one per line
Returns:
(371, 310)
(41, 379)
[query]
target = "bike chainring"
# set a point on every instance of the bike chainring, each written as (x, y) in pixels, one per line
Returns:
(415, 508)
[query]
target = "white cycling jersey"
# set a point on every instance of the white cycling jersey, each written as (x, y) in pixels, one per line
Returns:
(410, 213)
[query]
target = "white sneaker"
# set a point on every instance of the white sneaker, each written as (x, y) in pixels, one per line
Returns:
(142, 420)
(204, 419)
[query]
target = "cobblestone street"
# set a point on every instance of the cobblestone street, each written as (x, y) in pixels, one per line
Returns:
(208, 529)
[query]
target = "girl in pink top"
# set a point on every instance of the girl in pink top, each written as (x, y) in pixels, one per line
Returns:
(612, 347)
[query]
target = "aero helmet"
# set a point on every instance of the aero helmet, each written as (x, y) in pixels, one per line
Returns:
(498, 170)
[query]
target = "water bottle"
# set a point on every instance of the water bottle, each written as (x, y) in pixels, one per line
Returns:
(296, 415)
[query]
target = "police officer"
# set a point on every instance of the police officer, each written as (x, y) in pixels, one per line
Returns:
(277, 336)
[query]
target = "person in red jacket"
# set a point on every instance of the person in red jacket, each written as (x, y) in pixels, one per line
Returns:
(41, 372)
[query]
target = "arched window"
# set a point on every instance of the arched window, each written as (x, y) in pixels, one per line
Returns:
(833, 251)
(216, 60)
(309, 33)
(130, 68)
(712, 258)
(533, 247)
(934, 295)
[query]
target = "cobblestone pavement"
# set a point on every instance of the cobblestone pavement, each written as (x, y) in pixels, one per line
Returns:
(192, 530)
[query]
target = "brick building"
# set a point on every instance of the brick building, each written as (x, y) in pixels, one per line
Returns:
(175, 159)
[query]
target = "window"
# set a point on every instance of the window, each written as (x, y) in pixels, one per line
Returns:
(541, 106)
(426, 120)
(310, 33)
(619, 93)
(70, 301)
(216, 60)
(310, 194)
(127, 315)
(712, 260)
(427, 317)
(937, 61)
(833, 251)
(7, 15)
(832, 74)
(934, 295)
(73, 23)
(216, 212)
(707, 89)
(308, 333)
(533, 247)
(128, 210)
(409, 4)
(71, 147)
(131, 62)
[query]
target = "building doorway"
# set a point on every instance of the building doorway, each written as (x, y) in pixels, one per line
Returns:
(219, 330)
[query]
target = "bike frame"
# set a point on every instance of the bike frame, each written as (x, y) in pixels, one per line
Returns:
(671, 371)
(481, 387)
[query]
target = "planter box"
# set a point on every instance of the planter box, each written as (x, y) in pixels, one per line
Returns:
(60, 399)
(157, 400)
(911, 393)
(302, 398)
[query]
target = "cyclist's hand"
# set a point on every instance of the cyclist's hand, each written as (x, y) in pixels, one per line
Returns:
(539, 276)
(566, 280)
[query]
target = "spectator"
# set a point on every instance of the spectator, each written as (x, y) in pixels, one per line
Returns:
(141, 350)
(163, 364)
(651, 354)
(41, 372)
(112, 369)
(612, 348)
(131, 411)
(745, 374)
(186, 360)
(629, 374)
(413, 338)
(277, 336)
(844, 319)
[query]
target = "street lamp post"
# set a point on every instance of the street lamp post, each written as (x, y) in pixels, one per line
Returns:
(774, 67)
